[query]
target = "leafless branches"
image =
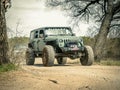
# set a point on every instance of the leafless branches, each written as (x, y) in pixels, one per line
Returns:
(7, 4)
(79, 9)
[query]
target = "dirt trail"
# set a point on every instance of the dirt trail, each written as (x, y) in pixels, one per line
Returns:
(67, 77)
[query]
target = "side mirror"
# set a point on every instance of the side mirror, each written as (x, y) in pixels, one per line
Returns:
(73, 34)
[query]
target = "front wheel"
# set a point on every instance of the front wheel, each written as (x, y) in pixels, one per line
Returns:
(61, 60)
(48, 56)
(88, 56)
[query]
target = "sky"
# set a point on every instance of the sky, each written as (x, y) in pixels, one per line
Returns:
(32, 14)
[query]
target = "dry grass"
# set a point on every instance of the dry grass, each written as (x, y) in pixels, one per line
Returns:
(110, 62)
(17, 58)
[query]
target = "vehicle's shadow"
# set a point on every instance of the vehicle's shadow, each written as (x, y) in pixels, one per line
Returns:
(55, 65)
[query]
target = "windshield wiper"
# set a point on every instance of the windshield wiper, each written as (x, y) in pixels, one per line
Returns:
(61, 34)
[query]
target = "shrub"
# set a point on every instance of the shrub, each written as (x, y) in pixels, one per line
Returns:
(109, 62)
(8, 67)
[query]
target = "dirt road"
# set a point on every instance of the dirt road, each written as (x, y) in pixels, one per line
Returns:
(67, 77)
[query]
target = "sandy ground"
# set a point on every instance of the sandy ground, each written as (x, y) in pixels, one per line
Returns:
(67, 77)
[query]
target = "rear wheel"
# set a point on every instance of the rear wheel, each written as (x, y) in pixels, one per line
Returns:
(30, 57)
(62, 60)
(48, 56)
(88, 56)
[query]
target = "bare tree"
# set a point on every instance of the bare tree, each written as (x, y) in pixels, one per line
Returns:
(4, 4)
(106, 11)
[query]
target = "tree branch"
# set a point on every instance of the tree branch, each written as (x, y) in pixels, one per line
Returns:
(86, 7)
(116, 17)
(117, 7)
(115, 25)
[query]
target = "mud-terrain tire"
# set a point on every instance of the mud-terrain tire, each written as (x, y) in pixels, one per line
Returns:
(48, 56)
(88, 57)
(61, 60)
(30, 57)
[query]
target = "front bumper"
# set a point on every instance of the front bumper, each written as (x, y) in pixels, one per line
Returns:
(72, 49)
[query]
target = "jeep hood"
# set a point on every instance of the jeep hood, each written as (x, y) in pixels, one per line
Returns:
(70, 38)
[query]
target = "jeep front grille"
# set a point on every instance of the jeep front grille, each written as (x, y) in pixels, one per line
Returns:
(66, 40)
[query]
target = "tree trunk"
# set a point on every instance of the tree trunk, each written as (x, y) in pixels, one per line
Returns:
(3, 36)
(104, 30)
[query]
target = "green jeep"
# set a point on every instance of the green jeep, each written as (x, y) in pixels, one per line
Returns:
(57, 42)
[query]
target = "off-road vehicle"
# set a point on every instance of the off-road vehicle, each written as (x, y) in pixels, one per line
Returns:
(57, 42)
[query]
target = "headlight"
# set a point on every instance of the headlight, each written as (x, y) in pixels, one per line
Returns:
(61, 43)
(60, 40)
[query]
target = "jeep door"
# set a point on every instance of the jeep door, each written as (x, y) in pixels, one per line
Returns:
(40, 42)
(35, 40)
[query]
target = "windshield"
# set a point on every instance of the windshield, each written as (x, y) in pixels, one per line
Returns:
(58, 31)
